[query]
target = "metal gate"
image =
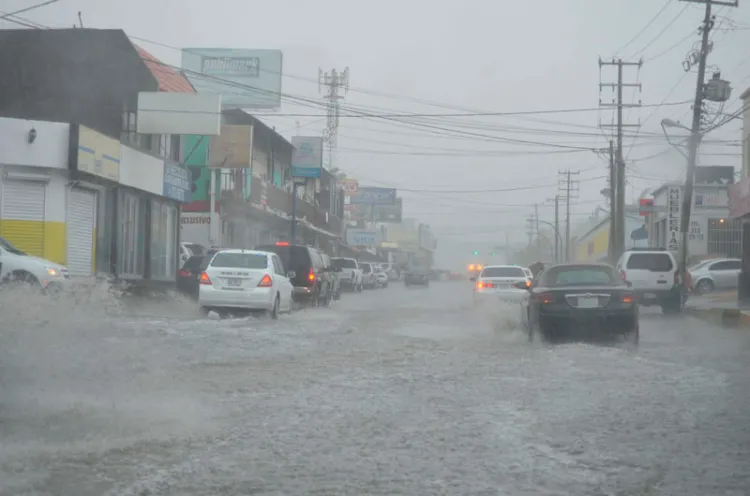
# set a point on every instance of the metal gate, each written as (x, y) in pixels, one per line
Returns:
(22, 215)
(80, 222)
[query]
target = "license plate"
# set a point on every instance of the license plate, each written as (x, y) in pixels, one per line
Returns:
(649, 296)
(234, 283)
(588, 302)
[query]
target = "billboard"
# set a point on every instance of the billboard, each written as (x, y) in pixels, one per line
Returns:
(388, 213)
(369, 195)
(362, 237)
(349, 185)
(232, 148)
(307, 157)
(247, 79)
(98, 154)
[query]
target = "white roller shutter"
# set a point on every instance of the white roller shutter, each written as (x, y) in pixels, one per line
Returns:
(80, 228)
(22, 214)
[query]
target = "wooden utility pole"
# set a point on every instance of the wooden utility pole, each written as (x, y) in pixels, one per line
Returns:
(619, 185)
(570, 188)
(612, 249)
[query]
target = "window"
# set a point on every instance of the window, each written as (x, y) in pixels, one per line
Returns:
(132, 231)
(725, 237)
(656, 262)
(581, 275)
(727, 265)
(163, 240)
(502, 272)
(345, 263)
(240, 260)
(104, 231)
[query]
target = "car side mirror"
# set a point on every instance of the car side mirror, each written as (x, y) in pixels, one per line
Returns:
(291, 274)
(473, 278)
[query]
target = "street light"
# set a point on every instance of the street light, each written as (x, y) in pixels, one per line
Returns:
(665, 123)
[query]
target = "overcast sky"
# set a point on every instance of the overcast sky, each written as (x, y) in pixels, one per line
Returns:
(427, 56)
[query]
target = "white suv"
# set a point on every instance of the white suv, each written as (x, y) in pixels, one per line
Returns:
(351, 274)
(654, 277)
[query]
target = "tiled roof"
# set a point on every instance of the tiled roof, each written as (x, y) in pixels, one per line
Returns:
(168, 78)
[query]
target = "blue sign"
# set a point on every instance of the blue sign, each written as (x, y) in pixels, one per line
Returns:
(177, 183)
(307, 157)
(361, 237)
(374, 196)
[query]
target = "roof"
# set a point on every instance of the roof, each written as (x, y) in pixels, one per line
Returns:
(169, 79)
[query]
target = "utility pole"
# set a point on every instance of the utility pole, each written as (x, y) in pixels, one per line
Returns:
(695, 130)
(570, 188)
(557, 229)
(538, 237)
(334, 81)
(619, 184)
(613, 229)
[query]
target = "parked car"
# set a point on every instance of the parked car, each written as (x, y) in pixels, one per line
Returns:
(588, 301)
(720, 273)
(245, 280)
(654, 277)
(390, 270)
(18, 267)
(188, 276)
(188, 250)
(335, 277)
(312, 281)
(381, 278)
(369, 280)
(351, 274)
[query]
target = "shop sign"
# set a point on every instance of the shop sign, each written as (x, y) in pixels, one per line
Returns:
(361, 237)
(177, 183)
(674, 208)
(98, 154)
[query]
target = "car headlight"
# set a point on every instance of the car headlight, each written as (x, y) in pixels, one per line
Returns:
(52, 272)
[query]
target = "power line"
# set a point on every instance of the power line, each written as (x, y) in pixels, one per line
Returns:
(661, 33)
(643, 30)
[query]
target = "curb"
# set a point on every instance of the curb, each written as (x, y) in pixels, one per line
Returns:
(732, 317)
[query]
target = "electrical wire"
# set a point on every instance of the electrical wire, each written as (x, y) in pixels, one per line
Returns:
(643, 30)
(661, 33)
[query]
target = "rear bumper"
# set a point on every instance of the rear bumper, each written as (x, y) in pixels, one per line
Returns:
(512, 296)
(249, 299)
(647, 297)
(589, 324)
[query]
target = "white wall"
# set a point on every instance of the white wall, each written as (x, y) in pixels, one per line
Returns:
(141, 171)
(55, 205)
(50, 149)
(746, 138)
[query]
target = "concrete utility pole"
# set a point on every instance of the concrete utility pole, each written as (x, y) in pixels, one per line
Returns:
(619, 185)
(538, 236)
(334, 81)
(695, 130)
(570, 187)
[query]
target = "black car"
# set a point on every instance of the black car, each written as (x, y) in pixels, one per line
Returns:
(589, 301)
(417, 276)
(187, 277)
(314, 280)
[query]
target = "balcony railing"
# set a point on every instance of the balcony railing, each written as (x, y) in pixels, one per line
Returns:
(240, 186)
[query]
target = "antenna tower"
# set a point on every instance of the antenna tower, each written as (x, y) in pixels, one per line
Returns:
(334, 82)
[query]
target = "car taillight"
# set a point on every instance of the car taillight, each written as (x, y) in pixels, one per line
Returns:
(266, 282)
(311, 276)
(184, 273)
(204, 278)
(484, 285)
(545, 298)
(627, 298)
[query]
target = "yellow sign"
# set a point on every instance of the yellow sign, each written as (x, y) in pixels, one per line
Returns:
(98, 154)
(232, 148)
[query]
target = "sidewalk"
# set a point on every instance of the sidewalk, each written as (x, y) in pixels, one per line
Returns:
(719, 307)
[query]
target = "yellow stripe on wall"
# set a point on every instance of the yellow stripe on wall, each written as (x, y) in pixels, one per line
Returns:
(55, 242)
(37, 238)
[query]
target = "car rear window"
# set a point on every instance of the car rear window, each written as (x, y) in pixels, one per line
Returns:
(366, 268)
(194, 249)
(580, 276)
(240, 260)
(296, 258)
(655, 262)
(344, 263)
(503, 272)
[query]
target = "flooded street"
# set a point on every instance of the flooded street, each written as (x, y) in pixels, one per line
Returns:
(395, 391)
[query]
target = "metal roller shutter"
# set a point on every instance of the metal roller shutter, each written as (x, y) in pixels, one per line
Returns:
(22, 214)
(80, 228)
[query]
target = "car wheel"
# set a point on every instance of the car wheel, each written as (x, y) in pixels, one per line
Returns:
(23, 279)
(704, 286)
(204, 311)
(273, 313)
(632, 338)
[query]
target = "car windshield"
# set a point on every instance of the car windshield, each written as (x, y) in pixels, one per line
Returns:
(502, 272)
(7, 246)
(240, 260)
(344, 263)
(580, 276)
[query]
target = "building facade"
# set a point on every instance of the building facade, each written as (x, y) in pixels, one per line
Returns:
(88, 191)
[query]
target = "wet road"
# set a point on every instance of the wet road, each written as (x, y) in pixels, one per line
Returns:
(389, 392)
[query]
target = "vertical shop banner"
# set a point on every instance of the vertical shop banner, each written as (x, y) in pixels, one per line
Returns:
(307, 157)
(674, 209)
(177, 183)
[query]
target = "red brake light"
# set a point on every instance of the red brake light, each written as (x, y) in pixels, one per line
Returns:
(266, 282)
(627, 297)
(485, 285)
(184, 273)
(545, 298)
(204, 278)
(282, 243)
(311, 275)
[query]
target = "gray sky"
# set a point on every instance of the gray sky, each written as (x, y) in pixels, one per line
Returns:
(474, 55)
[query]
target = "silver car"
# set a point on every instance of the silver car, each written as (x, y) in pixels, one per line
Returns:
(718, 273)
